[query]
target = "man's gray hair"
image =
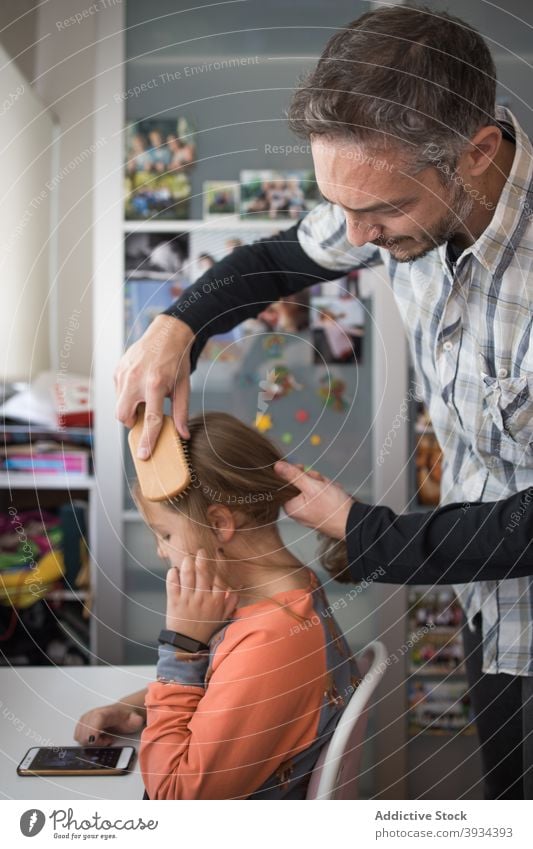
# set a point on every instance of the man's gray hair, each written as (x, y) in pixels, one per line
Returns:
(400, 77)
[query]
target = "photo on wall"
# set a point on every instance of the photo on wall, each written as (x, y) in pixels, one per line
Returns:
(338, 320)
(288, 315)
(160, 267)
(157, 273)
(158, 157)
(278, 194)
(220, 198)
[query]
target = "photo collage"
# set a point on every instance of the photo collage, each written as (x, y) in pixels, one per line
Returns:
(161, 265)
(160, 155)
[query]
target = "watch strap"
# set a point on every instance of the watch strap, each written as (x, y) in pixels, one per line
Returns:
(181, 641)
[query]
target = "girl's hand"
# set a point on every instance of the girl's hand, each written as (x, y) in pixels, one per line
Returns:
(197, 601)
(322, 504)
(102, 725)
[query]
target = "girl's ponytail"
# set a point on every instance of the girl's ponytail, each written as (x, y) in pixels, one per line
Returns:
(333, 555)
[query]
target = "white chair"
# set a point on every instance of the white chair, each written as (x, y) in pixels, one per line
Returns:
(336, 772)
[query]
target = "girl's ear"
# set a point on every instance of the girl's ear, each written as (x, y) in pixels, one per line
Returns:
(222, 521)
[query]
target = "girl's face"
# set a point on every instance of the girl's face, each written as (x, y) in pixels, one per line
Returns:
(172, 532)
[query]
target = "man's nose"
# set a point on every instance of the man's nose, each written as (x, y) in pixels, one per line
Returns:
(358, 233)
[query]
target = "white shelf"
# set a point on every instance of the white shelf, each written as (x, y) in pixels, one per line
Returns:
(27, 480)
(67, 595)
(232, 222)
(31, 428)
(131, 516)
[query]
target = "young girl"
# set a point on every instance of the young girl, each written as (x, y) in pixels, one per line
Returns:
(246, 715)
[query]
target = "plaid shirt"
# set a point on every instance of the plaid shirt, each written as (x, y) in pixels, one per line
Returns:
(469, 328)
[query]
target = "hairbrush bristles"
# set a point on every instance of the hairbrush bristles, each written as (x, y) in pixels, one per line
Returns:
(167, 473)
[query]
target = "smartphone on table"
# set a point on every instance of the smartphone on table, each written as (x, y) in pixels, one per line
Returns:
(77, 760)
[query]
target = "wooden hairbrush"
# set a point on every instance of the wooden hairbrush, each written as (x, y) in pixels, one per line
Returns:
(166, 474)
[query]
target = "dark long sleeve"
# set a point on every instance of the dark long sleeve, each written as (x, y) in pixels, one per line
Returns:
(455, 544)
(242, 284)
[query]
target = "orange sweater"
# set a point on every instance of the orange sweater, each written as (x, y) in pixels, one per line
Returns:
(248, 719)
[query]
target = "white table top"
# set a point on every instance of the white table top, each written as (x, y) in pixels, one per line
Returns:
(40, 706)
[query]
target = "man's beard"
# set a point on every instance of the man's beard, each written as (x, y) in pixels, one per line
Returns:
(460, 206)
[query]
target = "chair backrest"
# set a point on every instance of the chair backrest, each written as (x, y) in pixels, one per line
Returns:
(336, 772)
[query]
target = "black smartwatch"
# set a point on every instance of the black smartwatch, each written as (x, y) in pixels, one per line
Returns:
(180, 641)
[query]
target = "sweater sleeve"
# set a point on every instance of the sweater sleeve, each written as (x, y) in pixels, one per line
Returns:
(455, 544)
(252, 276)
(225, 739)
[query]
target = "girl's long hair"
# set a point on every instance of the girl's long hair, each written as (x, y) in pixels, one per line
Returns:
(232, 464)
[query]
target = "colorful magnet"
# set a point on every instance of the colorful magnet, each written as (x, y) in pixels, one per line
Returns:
(332, 392)
(263, 422)
(285, 380)
(286, 438)
(315, 439)
(301, 416)
(279, 382)
(273, 345)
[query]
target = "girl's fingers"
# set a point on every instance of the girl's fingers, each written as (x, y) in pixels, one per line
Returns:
(187, 576)
(230, 605)
(173, 581)
(203, 578)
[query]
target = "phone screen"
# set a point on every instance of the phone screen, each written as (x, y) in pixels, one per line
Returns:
(92, 757)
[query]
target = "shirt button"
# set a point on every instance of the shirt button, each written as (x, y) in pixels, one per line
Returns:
(447, 346)
(502, 372)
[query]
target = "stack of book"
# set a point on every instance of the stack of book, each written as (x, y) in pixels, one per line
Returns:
(46, 457)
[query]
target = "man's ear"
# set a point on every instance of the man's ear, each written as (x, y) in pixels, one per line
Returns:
(483, 148)
(222, 522)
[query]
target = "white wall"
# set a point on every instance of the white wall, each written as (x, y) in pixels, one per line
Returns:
(58, 59)
(18, 28)
(64, 79)
(25, 216)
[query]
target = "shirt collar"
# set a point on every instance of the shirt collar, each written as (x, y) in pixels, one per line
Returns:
(504, 228)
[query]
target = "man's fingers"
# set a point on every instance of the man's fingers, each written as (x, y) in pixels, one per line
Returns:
(315, 475)
(180, 407)
(153, 421)
(288, 471)
(127, 402)
(292, 474)
(126, 412)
